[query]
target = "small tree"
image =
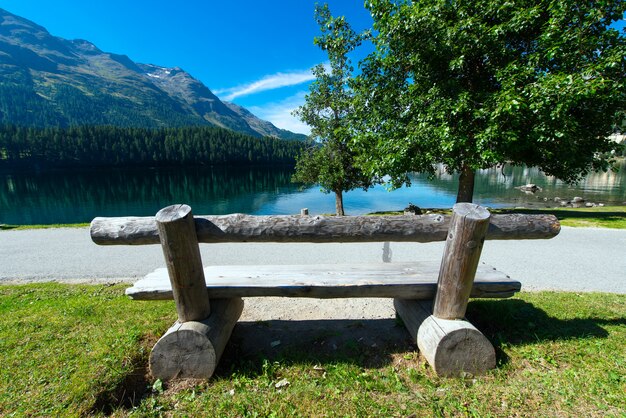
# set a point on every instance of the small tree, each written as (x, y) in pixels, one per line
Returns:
(330, 162)
(477, 83)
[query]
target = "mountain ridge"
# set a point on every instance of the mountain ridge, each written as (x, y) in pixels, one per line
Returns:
(51, 81)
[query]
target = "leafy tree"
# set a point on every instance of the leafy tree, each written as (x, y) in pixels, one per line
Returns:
(477, 83)
(330, 162)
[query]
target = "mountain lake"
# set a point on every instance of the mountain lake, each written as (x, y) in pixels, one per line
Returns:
(75, 196)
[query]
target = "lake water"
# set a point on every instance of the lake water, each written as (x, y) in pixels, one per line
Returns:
(79, 196)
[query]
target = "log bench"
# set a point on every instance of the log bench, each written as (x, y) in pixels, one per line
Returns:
(431, 298)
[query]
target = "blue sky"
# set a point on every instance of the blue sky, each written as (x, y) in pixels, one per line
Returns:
(255, 53)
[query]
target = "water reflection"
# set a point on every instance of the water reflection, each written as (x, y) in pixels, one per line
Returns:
(496, 187)
(79, 196)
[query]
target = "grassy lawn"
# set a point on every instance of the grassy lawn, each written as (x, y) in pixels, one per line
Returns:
(598, 217)
(21, 227)
(82, 350)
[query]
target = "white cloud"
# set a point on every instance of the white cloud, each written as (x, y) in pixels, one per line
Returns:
(269, 82)
(279, 113)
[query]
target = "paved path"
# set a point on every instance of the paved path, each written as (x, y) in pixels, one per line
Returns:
(579, 259)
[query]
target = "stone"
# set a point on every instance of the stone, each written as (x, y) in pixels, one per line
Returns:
(412, 210)
(529, 188)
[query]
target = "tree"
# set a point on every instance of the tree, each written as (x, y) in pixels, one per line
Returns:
(329, 161)
(477, 83)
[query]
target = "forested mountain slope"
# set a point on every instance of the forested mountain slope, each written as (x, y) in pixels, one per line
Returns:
(50, 81)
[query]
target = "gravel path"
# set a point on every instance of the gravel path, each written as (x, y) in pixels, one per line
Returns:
(578, 259)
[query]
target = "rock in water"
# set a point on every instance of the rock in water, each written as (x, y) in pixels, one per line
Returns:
(530, 187)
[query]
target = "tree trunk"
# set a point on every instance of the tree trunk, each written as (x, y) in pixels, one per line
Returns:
(466, 185)
(339, 203)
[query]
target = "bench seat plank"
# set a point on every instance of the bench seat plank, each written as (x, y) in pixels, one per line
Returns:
(385, 280)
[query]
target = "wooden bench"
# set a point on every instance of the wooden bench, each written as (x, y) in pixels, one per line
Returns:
(431, 298)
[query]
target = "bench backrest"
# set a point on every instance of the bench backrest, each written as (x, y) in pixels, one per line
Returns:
(320, 229)
(179, 233)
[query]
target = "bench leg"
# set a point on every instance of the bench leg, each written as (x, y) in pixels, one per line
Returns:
(450, 346)
(192, 349)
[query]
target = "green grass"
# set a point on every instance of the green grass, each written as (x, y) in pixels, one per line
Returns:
(65, 350)
(82, 350)
(22, 227)
(598, 217)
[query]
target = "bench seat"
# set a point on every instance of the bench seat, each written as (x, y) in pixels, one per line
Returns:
(416, 280)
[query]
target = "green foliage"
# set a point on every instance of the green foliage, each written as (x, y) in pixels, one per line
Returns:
(87, 146)
(472, 84)
(332, 163)
(327, 165)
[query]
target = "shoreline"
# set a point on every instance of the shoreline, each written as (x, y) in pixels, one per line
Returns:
(596, 216)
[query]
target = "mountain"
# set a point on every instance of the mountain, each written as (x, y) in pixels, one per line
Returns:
(50, 81)
(263, 126)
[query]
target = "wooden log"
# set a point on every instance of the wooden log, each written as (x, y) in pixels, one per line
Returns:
(320, 229)
(384, 280)
(451, 347)
(184, 264)
(193, 349)
(466, 236)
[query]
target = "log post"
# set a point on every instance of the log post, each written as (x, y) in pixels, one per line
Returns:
(193, 349)
(452, 347)
(177, 233)
(464, 244)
